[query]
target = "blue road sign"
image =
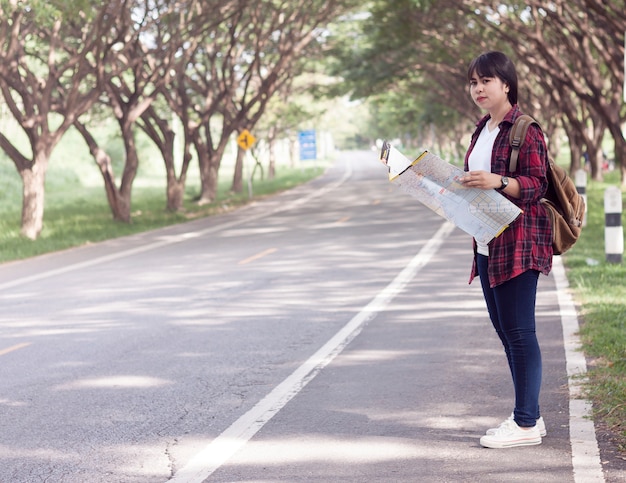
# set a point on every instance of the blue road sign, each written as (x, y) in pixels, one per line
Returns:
(308, 146)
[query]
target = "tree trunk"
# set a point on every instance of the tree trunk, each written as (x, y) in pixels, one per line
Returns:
(620, 150)
(576, 143)
(33, 189)
(202, 151)
(271, 139)
(293, 149)
(103, 160)
(599, 128)
(175, 189)
(176, 184)
(576, 154)
(130, 171)
(208, 175)
(620, 158)
(237, 186)
(209, 161)
(162, 132)
(175, 193)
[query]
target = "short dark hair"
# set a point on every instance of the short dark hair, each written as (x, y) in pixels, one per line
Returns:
(496, 64)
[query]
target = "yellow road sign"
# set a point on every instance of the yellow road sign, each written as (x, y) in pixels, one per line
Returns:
(245, 139)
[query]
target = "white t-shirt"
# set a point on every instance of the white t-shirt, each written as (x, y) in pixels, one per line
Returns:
(480, 160)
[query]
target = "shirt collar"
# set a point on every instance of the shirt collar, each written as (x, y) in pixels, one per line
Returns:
(510, 117)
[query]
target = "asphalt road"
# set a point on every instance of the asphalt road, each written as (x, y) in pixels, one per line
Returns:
(324, 334)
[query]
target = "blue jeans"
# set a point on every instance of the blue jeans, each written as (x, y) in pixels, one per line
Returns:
(511, 307)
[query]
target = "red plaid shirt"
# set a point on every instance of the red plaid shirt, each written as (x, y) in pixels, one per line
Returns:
(527, 243)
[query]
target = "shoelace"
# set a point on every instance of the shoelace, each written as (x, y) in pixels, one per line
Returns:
(508, 426)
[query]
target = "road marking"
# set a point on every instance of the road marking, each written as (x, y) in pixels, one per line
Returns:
(585, 453)
(14, 348)
(218, 451)
(269, 251)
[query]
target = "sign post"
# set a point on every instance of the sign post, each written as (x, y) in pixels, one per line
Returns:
(245, 140)
(580, 178)
(613, 230)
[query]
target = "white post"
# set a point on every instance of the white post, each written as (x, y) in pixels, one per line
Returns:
(248, 164)
(580, 179)
(613, 230)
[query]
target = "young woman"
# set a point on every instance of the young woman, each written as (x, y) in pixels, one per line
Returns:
(509, 266)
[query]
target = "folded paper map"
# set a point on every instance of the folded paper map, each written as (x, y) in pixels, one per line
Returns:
(484, 214)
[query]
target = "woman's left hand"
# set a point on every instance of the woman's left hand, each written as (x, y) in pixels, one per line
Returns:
(481, 179)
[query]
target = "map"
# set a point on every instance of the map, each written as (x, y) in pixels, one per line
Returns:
(484, 214)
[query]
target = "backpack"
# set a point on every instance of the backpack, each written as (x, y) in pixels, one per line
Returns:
(565, 206)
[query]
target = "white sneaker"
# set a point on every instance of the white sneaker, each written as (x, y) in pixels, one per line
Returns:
(510, 435)
(541, 425)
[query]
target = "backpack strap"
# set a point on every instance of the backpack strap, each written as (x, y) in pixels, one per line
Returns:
(517, 136)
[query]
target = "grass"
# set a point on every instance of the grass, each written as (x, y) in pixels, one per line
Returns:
(86, 218)
(77, 212)
(600, 289)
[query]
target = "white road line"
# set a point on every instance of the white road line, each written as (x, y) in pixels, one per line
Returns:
(585, 452)
(218, 451)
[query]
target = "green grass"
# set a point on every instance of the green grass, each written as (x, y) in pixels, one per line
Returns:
(600, 288)
(85, 216)
(77, 212)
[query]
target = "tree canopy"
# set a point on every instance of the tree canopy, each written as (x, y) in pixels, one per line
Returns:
(411, 57)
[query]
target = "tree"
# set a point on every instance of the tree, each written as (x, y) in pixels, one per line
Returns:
(187, 26)
(133, 78)
(47, 83)
(237, 69)
(579, 44)
(570, 55)
(287, 110)
(413, 54)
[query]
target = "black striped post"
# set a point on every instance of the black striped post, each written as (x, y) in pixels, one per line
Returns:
(613, 230)
(580, 180)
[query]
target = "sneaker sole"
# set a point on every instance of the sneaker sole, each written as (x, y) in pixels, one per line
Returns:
(485, 442)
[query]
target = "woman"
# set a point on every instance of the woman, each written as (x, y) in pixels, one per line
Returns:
(510, 264)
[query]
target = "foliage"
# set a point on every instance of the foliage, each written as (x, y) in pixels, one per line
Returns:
(81, 215)
(569, 56)
(408, 61)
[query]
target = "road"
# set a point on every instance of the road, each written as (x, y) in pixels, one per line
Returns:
(324, 334)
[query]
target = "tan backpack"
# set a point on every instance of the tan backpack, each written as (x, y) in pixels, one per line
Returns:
(564, 204)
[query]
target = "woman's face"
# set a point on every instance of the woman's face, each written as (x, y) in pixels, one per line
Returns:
(488, 93)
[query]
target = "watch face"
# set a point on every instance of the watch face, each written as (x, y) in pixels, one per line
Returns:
(505, 182)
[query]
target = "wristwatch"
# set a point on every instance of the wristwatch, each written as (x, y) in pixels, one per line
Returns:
(505, 182)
